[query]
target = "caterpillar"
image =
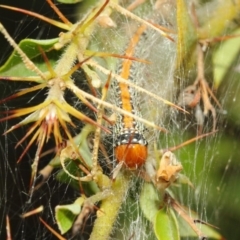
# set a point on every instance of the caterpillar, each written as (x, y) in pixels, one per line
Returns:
(130, 145)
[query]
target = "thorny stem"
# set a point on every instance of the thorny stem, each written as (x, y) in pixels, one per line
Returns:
(110, 206)
(67, 60)
(97, 135)
(27, 62)
(95, 172)
(35, 165)
(96, 146)
(77, 43)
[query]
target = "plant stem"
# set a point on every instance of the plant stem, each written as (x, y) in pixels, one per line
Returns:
(110, 206)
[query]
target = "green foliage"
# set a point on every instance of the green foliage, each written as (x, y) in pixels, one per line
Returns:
(14, 66)
(222, 62)
(66, 214)
(165, 225)
(150, 201)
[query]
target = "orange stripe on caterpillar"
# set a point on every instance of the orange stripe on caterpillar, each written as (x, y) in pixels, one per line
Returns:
(126, 66)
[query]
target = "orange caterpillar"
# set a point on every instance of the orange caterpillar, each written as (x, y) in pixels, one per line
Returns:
(130, 144)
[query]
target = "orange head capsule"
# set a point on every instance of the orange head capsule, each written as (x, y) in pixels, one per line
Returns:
(133, 155)
(131, 149)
